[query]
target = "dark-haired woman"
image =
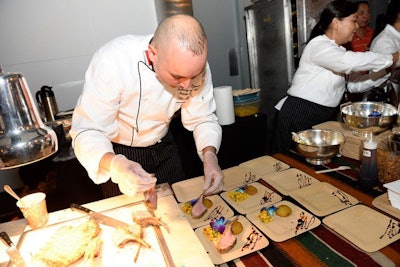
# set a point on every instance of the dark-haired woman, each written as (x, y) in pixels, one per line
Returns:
(319, 83)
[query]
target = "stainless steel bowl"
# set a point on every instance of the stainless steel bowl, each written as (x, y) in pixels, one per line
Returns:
(319, 146)
(369, 117)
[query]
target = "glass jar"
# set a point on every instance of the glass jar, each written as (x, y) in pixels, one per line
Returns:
(388, 159)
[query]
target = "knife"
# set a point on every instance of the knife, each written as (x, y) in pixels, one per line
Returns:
(12, 251)
(101, 218)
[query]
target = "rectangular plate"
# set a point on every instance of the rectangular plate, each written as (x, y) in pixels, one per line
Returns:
(284, 228)
(248, 241)
(110, 255)
(382, 203)
(189, 189)
(288, 180)
(218, 209)
(264, 196)
(323, 198)
(238, 176)
(366, 228)
(265, 165)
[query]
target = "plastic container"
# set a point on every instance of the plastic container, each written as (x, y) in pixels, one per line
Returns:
(246, 105)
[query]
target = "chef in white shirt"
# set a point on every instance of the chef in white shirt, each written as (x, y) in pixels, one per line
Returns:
(133, 87)
(387, 40)
(320, 81)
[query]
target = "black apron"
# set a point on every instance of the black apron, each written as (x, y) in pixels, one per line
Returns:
(298, 114)
(162, 159)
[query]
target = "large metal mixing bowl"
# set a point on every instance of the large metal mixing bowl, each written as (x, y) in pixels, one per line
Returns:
(319, 146)
(369, 117)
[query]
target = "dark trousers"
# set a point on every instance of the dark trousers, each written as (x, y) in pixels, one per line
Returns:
(296, 115)
(162, 159)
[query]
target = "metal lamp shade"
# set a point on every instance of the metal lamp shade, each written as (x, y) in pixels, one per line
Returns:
(23, 136)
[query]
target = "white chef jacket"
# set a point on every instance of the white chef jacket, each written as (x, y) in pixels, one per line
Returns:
(123, 102)
(320, 77)
(387, 41)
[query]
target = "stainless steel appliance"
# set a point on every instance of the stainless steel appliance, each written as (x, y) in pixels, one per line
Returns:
(47, 102)
(277, 31)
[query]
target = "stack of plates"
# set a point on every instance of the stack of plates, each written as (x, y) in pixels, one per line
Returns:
(394, 193)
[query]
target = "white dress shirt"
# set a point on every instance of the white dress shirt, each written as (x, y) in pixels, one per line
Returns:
(320, 77)
(123, 102)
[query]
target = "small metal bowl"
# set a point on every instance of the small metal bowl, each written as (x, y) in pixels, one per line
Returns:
(319, 146)
(368, 117)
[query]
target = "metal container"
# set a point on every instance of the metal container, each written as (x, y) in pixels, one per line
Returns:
(23, 136)
(366, 117)
(319, 146)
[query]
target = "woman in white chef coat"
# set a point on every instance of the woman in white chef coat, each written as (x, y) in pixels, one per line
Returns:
(133, 87)
(319, 82)
(387, 37)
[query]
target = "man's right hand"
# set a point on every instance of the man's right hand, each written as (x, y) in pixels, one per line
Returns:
(130, 176)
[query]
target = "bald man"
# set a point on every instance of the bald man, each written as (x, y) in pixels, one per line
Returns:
(133, 87)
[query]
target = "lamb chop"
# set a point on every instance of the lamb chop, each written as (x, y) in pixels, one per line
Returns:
(151, 198)
(198, 209)
(227, 240)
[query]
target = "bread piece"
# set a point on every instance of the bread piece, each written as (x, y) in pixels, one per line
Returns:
(67, 245)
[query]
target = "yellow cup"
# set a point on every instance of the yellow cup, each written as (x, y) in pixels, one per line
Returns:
(34, 209)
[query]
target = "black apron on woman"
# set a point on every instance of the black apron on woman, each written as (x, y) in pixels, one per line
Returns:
(296, 115)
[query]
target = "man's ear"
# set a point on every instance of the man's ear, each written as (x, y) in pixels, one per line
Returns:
(152, 52)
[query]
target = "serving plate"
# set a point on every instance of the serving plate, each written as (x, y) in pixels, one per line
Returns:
(365, 227)
(248, 241)
(238, 176)
(264, 196)
(382, 202)
(289, 180)
(110, 255)
(218, 209)
(284, 228)
(323, 198)
(189, 189)
(265, 165)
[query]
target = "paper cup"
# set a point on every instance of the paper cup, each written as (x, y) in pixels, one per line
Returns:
(34, 209)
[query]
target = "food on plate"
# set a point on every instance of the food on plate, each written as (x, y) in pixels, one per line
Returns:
(68, 244)
(266, 214)
(251, 190)
(237, 227)
(283, 210)
(242, 193)
(227, 240)
(134, 233)
(199, 209)
(207, 202)
(188, 206)
(223, 233)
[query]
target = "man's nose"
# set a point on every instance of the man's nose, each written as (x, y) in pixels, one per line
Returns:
(185, 84)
